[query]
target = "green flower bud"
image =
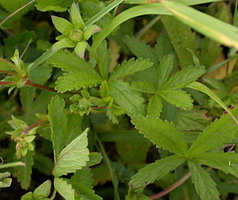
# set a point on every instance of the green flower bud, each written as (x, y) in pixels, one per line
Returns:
(76, 35)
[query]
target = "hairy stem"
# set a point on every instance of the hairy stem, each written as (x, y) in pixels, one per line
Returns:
(172, 187)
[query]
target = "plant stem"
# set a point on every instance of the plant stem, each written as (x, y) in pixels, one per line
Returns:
(147, 27)
(37, 85)
(54, 194)
(13, 164)
(7, 83)
(108, 162)
(32, 126)
(172, 187)
(15, 12)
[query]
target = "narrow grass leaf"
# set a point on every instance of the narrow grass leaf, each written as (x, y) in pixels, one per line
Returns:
(209, 26)
(202, 88)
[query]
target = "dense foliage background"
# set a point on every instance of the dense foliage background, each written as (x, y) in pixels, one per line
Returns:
(130, 99)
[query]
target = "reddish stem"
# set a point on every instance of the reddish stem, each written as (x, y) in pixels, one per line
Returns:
(172, 187)
(43, 87)
(33, 126)
(7, 83)
(7, 72)
(98, 108)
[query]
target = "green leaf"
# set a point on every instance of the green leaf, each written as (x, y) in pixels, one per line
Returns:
(94, 159)
(102, 56)
(204, 185)
(130, 67)
(143, 86)
(43, 190)
(164, 69)
(161, 133)
(58, 122)
(27, 196)
(202, 88)
(227, 162)
(76, 16)
(24, 173)
(181, 39)
(62, 25)
(139, 48)
(82, 182)
(43, 163)
(53, 5)
(64, 189)
(209, 26)
(184, 77)
(179, 98)
(155, 106)
(63, 43)
(219, 132)
(73, 157)
(125, 97)
(163, 46)
(154, 171)
(5, 181)
(76, 68)
(188, 2)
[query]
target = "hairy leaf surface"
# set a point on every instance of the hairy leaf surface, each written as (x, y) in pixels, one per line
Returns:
(125, 97)
(130, 67)
(73, 157)
(218, 133)
(155, 170)
(161, 133)
(64, 189)
(178, 98)
(204, 185)
(58, 122)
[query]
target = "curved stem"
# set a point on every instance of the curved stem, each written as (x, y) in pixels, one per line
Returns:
(172, 187)
(33, 126)
(54, 194)
(15, 12)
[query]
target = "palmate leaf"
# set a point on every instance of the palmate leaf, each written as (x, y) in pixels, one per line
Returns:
(227, 162)
(219, 132)
(130, 67)
(64, 189)
(155, 106)
(58, 123)
(184, 77)
(73, 157)
(204, 185)
(179, 98)
(80, 73)
(161, 133)
(125, 97)
(155, 170)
